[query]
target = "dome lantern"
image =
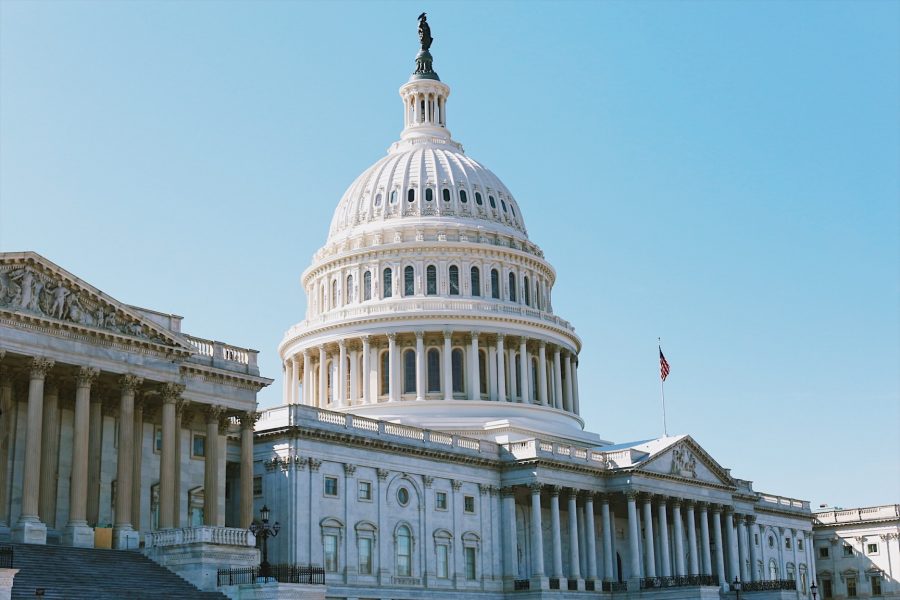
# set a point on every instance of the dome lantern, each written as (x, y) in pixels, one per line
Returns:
(424, 95)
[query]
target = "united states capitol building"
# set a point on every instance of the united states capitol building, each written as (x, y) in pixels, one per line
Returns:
(430, 443)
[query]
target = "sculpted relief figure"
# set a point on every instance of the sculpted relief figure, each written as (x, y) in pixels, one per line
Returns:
(683, 462)
(58, 308)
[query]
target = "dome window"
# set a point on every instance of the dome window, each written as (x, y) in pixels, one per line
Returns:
(431, 280)
(462, 196)
(512, 209)
(409, 281)
(491, 200)
(527, 292)
(434, 370)
(478, 199)
(454, 280)
(367, 285)
(411, 196)
(502, 204)
(409, 372)
(429, 195)
(377, 199)
(446, 195)
(388, 287)
(476, 281)
(495, 284)
(512, 287)
(456, 364)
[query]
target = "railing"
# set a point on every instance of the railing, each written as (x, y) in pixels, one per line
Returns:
(535, 448)
(227, 536)
(414, 581)
(218, 350)
(590, 585)
(649, 583)
(572, 585)
(615, 586)
(6, 557)
(521, 584)
(774, 584)
(873, 513)
(280, 573)
(784, 501)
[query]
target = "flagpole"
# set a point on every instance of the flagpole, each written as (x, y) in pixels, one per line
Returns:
(662, 394)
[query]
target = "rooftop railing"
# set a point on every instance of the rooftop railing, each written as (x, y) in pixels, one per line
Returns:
(224, 355)
(785, 501)
(855, 515)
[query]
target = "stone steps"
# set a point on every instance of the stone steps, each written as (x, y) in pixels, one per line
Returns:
(87, 573)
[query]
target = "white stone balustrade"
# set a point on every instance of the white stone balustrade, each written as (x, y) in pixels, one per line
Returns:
(226, 536)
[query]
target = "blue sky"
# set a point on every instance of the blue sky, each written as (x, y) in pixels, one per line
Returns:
(720, 174)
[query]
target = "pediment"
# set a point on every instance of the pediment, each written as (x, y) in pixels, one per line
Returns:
(685, 459)
(34, 288)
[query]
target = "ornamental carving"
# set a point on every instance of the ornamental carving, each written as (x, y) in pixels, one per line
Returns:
(428, 480)
(40, 366)
(26, 289)
(684, 463)
(86, 376)
(349, 469)
(314, 464)
(456, 484)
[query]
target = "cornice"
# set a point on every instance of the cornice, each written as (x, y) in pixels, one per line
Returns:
(226, 377)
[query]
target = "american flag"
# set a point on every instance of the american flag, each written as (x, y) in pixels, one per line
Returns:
(663, 365)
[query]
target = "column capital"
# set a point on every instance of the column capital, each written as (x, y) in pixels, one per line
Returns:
(456, 484)
(213, 414)
(751, 519)
(535, 487)
(306, 352)
(728, 509)
(542, 344)
(342, 344)
(507, 491)
(349, 469)
(365, 340)
(321, 348)
(631, 495)
(554, 490)
(392, 337)
(448, 333)
(647, 497)
(5, 376)
(474, 335)
(500, 338)
(249, 419)
(171, 392)
(572, 493)
(661, 500)
(587, 495)
(428, 481)
(130, 383)
(689, 504)
(676, 502)
(39, 367)
(419, 335)
(603, 497)
(715, 509)
(86, 376)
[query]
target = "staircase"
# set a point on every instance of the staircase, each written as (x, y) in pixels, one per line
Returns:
(88, 574)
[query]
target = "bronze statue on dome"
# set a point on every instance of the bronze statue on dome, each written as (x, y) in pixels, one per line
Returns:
(424, 33)
(423, 58)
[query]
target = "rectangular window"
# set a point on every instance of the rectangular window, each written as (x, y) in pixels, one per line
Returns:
(442, 561)
(787, 543)
(799, 543)
(365, 491)
(365, 556)
(848, 550)
(823, 552)
(871, 548)
(756, 539)
(331, 553)
(257, 486)
(876, 585)
(440, 500)
(851, 587)
(469, 504)
(470, 563)
(198, 446)
(331, 488)
(157, 440)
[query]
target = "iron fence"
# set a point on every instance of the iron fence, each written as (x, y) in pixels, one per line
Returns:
(648, 583)
(6, 557)
(521, 584)
(775, 584)
(615, 586)
(280, 573)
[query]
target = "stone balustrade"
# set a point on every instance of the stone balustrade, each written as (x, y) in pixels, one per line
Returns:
(226, 536)
(213, 352)
(784, 501)
(873, 513)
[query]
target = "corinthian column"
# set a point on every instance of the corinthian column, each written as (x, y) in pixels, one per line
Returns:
(420, 365)
(170, 394)
(124, 536)
(705, 554)
(664, 561)
(555, 533)
(95, 459)
(751, 534)
(606, 523)
(392, 368)
(574, 557)
(211, 467)
(717, 541)
(476, 371)
(557, 379)
(247, 422)
(731, 540)
(524, 370)
(542, 373)
(447, 371)
(692, 540)
(633, 534)
(77, 533)
(590, 536)
(341, 383)
(323, 380)
(136, 459)
(29, 528)
(7, 422)
(649, 555)
(569, 403)
(537, 533)
(366, 371)
(49, 455)
(678, 534)
(501, 370)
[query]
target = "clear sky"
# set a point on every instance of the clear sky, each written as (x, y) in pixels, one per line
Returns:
(725, 175)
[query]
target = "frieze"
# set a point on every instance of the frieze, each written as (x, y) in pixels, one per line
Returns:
(684, 463)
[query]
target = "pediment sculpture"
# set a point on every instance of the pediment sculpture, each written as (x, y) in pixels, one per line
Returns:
(684, 463)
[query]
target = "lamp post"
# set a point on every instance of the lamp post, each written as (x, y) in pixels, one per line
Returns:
(813, 589)
(263, 531)
(737, 587)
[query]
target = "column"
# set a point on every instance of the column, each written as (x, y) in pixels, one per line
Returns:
(524, 370)
(633, 533)
(475, 369)
(678, 533)
(447, 369)
(510, 544)
(577, 406)
(307, 379)
(295, 381)
(29, 528)
(568, 403)
(692, 539)
(501, 371)
(420, 365)
(731, 541)
(609, 573)
(354, 377)
(794, 551)
(49, 455)
(393, 386)
(170, 394)
(542, 373)
(136, 457)
(248, 420)
(537, 532)
(95, 460)
(743, 548)
(211, 467)
(705, 554)
(323, 379)
(574, 558)
(341, 383)
(665, 563)
(557, 378)
(77, 533)
(124, 535)
(555, 533)
(366, 371)
(717, 540)
(7, 416)
(754, 558)
(286, 383)
(590, 535)
(649, 555)
(180, 405)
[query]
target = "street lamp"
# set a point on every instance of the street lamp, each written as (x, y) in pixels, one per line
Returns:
(262, 530)
(813, 589)
(737, 587)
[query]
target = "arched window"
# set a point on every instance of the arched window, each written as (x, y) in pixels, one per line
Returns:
(495, 284)
(409, 372)
(388, 283)
(367, 285)
(409, 281)
(527, 291)
(518, 368)
(446, 194)
(322, 306)
(384, 388)
(512, 209)
(431, 280)
(404, 552)
(394, 197)
(434, 370)
(429, 195)
(478, 199)
(378, 199)
(512, 287)
(454, 280)
(411, 195)
(333, 293)
(491, 200)
(503, 204)
(475, 277)
(482, 372)
(456, 360)
(462, 196)
(349, 295)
